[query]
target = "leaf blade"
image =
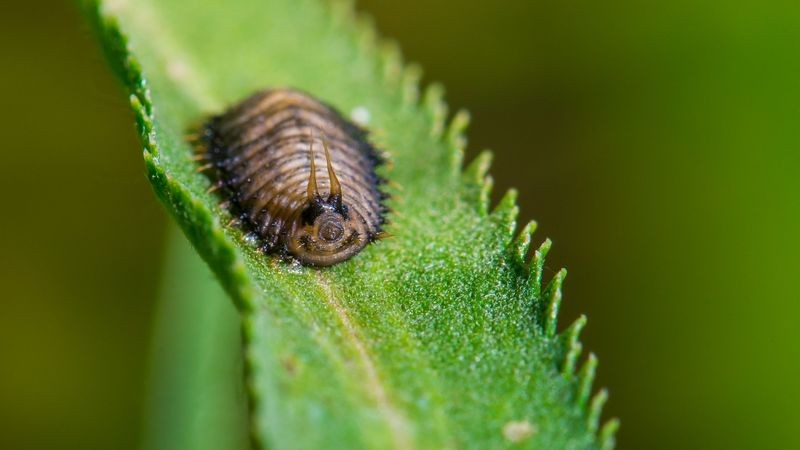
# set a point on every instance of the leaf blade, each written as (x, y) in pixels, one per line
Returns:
(428, 339)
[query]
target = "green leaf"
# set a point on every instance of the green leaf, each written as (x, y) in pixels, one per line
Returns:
(197, 394)
(438, 337)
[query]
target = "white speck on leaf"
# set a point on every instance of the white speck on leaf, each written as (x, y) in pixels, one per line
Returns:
(360, 115)
(177, 70)
(518, 431)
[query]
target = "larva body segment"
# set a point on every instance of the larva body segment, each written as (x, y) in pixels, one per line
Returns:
(296, 174)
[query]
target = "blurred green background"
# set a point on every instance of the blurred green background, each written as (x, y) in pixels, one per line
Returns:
(656, 142)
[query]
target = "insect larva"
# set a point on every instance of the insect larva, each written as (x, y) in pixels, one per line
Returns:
(296, 174)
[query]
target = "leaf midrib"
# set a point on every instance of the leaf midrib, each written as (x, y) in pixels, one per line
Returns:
(374, 386)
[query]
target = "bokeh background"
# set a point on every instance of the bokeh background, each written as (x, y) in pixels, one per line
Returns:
(656, 142)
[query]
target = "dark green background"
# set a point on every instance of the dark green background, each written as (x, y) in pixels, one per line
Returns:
(657, 144)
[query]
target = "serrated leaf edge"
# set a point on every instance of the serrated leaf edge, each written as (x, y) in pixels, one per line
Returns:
(476, 189)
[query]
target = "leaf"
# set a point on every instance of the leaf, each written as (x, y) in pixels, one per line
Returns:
(439, 337)
(197, 395)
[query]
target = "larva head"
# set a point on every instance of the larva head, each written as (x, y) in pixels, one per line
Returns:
(327, 234)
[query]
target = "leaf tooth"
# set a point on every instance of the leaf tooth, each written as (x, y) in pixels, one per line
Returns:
(118, 50)
(144, 123)
(138, 83)
(458, 126)
(519, 247)
(367, 35)
(343, 12)
(572, 346)
(476, 171)
(147, 100)
(483, 195)
(359, 26)
(434, 103)
(410, 84)
(537, 268)
(506, 211)
(608, 433)
(134, 67)
(457, 138)
(553, 299)
(478, 185)
(391, 59)
(585, 380)
(595, 409)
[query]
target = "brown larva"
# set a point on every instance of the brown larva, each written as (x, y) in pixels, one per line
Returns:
(296, 174)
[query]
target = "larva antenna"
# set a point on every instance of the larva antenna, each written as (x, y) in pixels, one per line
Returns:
(336, 188)
(313, 190)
